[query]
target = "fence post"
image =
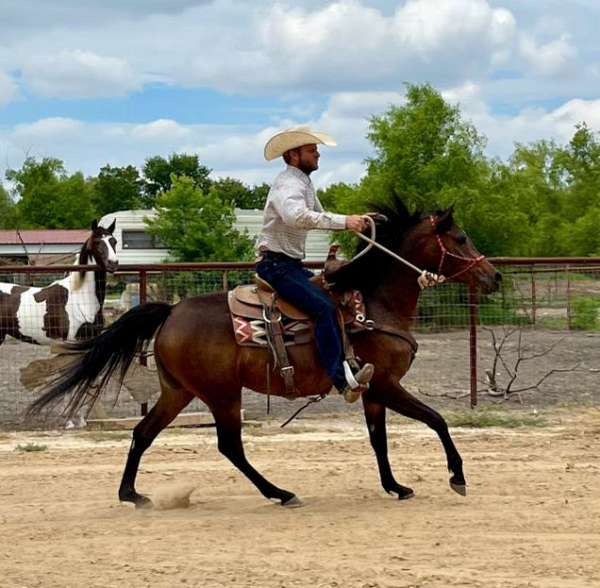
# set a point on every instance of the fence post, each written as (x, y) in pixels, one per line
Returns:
(225, 281)
(473, 308)
(143, 300)
(569, 298)
(533, 296)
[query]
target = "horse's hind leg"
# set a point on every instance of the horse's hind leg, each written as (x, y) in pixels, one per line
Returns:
(171, 402)
(229, 431)
(375, 417)
(400, 400)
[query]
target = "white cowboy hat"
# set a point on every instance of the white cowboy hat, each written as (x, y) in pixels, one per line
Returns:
(292, 138)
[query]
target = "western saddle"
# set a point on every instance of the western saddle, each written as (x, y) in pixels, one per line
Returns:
(261, 319)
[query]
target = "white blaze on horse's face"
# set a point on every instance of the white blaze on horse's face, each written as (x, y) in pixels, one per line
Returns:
(110, 243)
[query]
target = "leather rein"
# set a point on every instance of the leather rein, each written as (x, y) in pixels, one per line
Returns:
(471, 261)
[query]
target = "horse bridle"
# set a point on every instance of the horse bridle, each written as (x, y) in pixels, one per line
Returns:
(471, 261)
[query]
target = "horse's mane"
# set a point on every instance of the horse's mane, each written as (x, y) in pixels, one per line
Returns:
(367, 272)
(77, 278)
(399, 221)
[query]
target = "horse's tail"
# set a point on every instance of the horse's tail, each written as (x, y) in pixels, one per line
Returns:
(113, 349)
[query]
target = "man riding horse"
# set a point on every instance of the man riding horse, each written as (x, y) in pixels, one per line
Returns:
(291, 210)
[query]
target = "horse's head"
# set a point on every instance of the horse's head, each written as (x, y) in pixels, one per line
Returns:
(102, 247)
(439, 245)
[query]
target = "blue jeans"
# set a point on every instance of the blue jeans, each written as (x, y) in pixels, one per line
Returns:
(291, 281)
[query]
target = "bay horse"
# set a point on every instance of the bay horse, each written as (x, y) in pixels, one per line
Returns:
(67, 309)
(197, 356)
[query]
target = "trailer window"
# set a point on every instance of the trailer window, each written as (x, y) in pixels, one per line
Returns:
(140, 240)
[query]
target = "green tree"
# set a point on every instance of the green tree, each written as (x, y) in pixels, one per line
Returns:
(258, 197)
(8, 211)
(553, 190)
(240, 195)
(577, 166)
(49, 198)
(340, 197)
(344, 199)
(582, 237)
(430, 157)
(159, 173)
(197, 225)
(425, 152)
(492, 215)
(117, 188)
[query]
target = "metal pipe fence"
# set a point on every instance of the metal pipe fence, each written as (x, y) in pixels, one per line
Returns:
(556, 297)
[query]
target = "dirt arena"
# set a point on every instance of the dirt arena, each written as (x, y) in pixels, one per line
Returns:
(531, 518)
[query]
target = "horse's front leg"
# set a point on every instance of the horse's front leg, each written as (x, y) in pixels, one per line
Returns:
(375, 417)
(394, 396)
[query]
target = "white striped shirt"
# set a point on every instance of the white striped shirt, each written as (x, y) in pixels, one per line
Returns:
(292, 209)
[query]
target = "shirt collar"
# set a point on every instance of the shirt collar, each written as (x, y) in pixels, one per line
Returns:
(299, 174)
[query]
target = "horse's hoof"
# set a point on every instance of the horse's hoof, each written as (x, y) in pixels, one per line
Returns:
(402, 492)
(459, 488)
(406, 495)
(293, 502)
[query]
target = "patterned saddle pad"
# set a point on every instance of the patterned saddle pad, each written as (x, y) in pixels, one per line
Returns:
(248, 319)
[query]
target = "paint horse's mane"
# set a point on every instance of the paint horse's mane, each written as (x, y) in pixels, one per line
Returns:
(77, 278)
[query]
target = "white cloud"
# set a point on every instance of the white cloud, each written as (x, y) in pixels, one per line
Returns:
(352, 45)
(573, 112)
(549, 59)
(54, 128)
(240, 149)
(363, 104)
(160, 130)
(8, 89)
(235, 46)
(527, 125)
(431, 26)
(79, 74)
(230, 150)
(331, 173)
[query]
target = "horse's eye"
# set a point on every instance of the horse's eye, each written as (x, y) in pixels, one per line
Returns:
(113, 242)
(461, 239)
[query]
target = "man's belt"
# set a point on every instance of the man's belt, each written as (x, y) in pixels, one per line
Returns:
(278, 255)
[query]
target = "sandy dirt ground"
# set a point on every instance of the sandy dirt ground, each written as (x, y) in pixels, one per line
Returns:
(531, 517)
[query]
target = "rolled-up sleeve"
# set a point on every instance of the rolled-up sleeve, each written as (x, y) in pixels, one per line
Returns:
(290, 204)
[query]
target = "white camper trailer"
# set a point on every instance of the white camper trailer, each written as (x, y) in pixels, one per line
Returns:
(135, 245)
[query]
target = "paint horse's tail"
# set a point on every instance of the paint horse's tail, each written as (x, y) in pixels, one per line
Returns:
(115, 348)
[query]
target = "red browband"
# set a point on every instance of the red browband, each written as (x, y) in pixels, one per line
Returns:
(472, 261)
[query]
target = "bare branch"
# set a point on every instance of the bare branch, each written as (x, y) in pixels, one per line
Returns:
(545, 352)
(502, 393)
(450, 395)
(547, 375)
(24, 246)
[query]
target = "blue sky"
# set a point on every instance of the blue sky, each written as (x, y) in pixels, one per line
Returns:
(119, 81)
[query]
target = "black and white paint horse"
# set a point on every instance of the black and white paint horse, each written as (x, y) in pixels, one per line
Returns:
(68, 309)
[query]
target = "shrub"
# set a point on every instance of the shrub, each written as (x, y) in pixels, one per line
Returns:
(585, 314)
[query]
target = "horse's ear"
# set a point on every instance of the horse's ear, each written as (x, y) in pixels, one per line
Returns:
(444, 220)
(94, 225)
(111, 229)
